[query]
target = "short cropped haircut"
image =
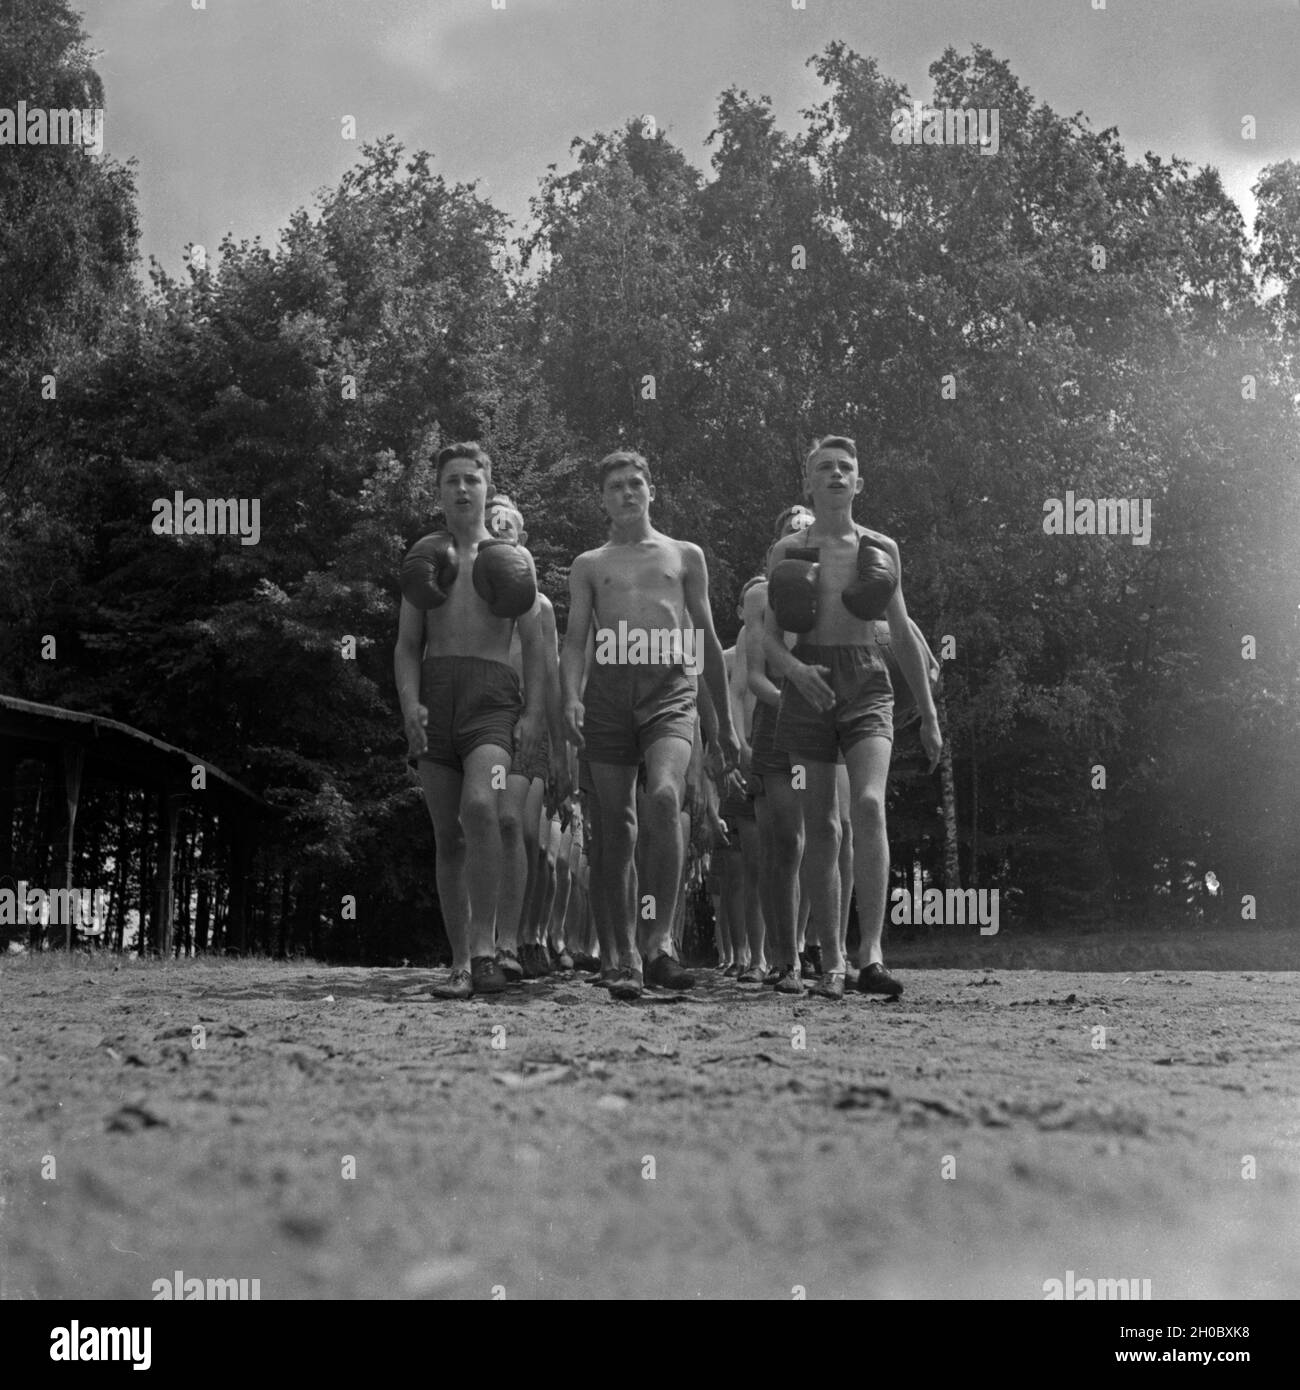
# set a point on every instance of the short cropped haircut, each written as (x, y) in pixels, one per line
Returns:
(783, 520)
(499, 502)
(832, 441)
(475, 453)
(749, 584)
(623, 458)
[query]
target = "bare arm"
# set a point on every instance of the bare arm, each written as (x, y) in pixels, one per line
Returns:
(407, 656)
(700, 612)
(573, 657)
(760, 683)
(911, 660)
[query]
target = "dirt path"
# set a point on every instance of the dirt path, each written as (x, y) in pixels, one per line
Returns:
(521, 1166)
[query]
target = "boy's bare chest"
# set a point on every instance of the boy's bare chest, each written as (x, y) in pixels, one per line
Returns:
(658, 573)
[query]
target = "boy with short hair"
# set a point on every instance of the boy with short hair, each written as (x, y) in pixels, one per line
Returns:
(645, 587)
(463, 592)
(829, 585)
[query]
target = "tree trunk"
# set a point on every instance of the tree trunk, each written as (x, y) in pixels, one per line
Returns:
(951, 858)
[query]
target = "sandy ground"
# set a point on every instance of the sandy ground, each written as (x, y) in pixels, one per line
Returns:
(341, 1135)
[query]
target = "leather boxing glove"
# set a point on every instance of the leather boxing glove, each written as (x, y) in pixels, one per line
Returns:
(792, 590)
(429, 570)
(503, 578)
(868, 595)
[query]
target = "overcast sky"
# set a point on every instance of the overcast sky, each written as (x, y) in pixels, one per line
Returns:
(234, 111)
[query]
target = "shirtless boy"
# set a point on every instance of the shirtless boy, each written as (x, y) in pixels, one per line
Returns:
(647, 596)
(830, 585)
(463, 591)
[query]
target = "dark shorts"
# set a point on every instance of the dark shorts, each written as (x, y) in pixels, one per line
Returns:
(540, 765)
(864, 704)
(471, 702)
(627, 708)
(733, 809)
(764, 759)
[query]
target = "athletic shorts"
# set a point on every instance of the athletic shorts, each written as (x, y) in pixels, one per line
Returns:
(864, 704)
(627, 708)
(540, 766)
(764, 758)
(471, 702)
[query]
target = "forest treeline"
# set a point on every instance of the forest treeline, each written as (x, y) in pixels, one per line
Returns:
(993, 331)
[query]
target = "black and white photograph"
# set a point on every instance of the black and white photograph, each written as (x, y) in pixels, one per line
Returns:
(650, 651)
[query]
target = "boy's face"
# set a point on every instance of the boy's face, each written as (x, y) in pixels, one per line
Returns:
(463, 490)
(832, 478)
(626, 494)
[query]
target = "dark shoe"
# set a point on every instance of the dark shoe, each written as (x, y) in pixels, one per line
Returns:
(728, 971)
(772, 975)
(510, 966)
(875, 979)
(531, 958)
(788, 981)
(487, 976)
(810, 961)
(667, 973)
(752, 976)
(459, 986)
(830, 986)
(628, 984)
(606, 978)
(582, 961)
(542, 956)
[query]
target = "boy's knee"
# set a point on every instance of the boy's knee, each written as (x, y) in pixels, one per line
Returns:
(868, 810)
(664, 801)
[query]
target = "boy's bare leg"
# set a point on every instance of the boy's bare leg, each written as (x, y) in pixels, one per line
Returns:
(842, 803)
(480, 818)
(442, 787)
(751, 858)
(821, 856)
(666, 762)
(614, 881)
(784, 860)
(515, 862)
(868, 763)
(733, 896)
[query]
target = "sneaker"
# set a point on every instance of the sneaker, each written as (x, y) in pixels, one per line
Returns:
(510, 966)
(752, 976)
(590, 964)
(772, 975)
(875, 979)
(830, 986)
(606, 978)
(542, 957)
(459, 986)
(728, 971)
(564, 961)
(627, 984)
(667, 973)
(789, 982)
(487, 976)
(810, 961)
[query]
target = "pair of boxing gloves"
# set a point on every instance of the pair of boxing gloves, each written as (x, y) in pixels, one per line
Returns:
(502, 576)
(792, 589)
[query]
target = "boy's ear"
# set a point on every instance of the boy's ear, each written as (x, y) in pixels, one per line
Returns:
(857, 486)
(523, 538)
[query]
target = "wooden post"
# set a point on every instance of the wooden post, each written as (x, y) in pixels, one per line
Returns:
(237, 911)
(74, 760)
(169, 809)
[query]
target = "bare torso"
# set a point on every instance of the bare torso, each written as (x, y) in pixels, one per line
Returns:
(838, 567)
(463, 626)
(641, 584)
